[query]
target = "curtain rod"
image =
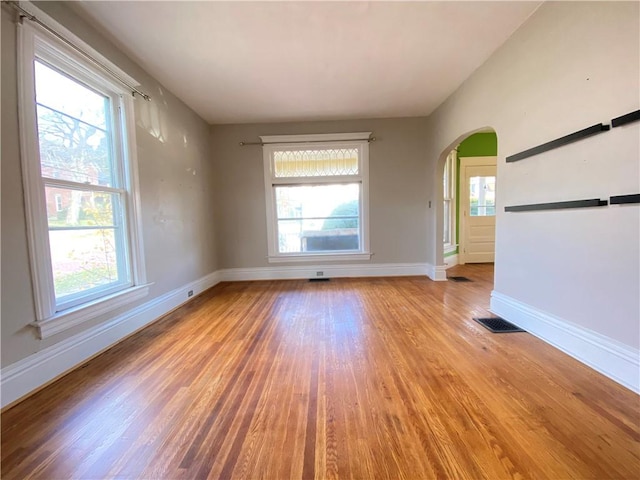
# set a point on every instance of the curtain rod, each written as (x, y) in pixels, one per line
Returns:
(245, 144)
(29, 16)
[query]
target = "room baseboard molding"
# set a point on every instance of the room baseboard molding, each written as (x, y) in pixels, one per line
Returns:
(437, 273)
(31, 373)
(450, 261)
(613, 359)
(328, 271)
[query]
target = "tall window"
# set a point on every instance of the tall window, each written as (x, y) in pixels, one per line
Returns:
(449, 195)
(79, 176)
(316, 194)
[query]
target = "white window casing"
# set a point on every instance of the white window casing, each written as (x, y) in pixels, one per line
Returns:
(52, 316)
(348, 177)
(449, 197)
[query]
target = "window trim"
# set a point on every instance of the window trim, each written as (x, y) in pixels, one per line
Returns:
(451, 190)
(273, 143)
(58, 200)
(35, 42)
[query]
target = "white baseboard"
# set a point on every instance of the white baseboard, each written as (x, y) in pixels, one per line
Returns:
(613, 359)
(31, 373)
(450, 261)
(437, 273)
(328, 271)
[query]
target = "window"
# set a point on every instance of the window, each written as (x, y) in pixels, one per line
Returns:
(482, 196)
(317, 197)
(80, 183)
(449, 189)
(58, 200)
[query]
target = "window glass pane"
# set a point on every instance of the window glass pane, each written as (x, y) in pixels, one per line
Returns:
(445, 185)
(72, 130)
(318, 218)
(315, 163)
(77, 208)
(83, 260)
(447, 222)
(446, 179)
(482, 196)
(60, 93)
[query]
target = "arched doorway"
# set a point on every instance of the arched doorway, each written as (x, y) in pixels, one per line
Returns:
(466, 212)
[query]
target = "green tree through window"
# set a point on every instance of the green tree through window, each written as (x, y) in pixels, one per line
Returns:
(348, 209)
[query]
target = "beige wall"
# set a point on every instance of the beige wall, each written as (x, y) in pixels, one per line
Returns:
(398, 185)
(175, 185)
(570, 66)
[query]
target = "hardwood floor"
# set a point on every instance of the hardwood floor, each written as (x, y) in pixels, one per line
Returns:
(352, 378)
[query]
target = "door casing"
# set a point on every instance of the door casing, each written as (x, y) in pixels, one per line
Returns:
(487, 165)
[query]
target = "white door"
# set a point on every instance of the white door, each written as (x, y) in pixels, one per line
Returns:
(478, 205)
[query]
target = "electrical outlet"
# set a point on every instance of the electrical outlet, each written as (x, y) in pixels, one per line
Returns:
(319, 274)
(190, 293)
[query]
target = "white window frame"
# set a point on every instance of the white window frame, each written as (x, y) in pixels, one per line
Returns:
(275, 143)
(449, 195)
(35, 42)
(58, 200)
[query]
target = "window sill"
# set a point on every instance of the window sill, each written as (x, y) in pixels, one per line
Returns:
(449, 249)
(67, 319)
(320, 257)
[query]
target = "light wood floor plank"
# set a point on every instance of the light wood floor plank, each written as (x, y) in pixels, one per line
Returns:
(352, 378)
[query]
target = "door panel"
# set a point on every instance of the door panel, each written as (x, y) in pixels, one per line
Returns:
(478, 213)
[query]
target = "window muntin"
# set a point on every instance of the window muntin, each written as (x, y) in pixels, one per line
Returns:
(317, 199)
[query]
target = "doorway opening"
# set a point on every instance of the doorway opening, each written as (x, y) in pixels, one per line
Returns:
(469, 199)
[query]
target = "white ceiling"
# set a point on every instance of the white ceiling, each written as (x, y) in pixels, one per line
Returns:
(241, 62)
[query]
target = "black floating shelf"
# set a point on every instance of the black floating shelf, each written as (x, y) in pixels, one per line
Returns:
(624, 119)
(559, 142)
(593, 202)
(622, 199)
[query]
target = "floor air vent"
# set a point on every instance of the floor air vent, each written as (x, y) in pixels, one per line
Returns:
(498, 325)
(460, 279)
(319, 279)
